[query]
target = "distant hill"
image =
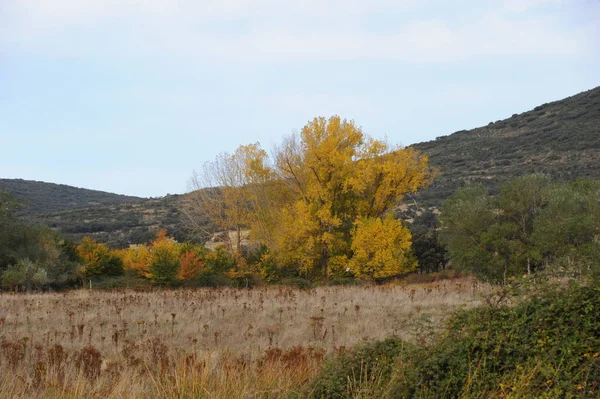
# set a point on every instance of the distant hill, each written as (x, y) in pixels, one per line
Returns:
(120, 224)
(560, 139)
(40, 197)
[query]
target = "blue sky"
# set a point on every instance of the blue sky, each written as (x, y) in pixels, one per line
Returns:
(130, 96)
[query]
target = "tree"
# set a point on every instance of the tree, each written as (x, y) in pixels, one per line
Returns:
(568, 228)
(303, 205)
(98, 259)
(529, 224)
(9, 228)
(164, 259)
(191, 261)
(25, 274)
(430, 253)
(222, 193)
(381, 248)
(136, 258)
(336, 175)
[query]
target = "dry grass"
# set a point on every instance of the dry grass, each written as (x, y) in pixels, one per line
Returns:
(264, 342)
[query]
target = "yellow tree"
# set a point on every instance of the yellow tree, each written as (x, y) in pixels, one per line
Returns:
(165, 259)
(336, 174)
(381, 248)
(305, 203)
(136, 258)
(98, 259)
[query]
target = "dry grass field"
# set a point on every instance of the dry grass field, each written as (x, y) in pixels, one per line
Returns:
(218, 343)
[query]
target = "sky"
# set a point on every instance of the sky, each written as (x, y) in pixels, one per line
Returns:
(132, 96)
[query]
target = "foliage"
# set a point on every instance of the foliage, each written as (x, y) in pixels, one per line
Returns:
(243, 279)
(336, 175)
(219, 261)
(8, 225)
(25, 274)
(367, 369)
(222, 191)
(136, 258)
(381, 248)
(558, 139)
(164, 259)
(546, 346)
(529, 224)
(32, 257)
(303, 205)
(191, 265)
(98, 259)
(429, 251)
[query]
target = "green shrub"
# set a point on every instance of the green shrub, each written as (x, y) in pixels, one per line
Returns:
(25, 274)
(208, 280)
(297, 282)
(219, 261)
(546, 346)
(164, 266)
(366, 369)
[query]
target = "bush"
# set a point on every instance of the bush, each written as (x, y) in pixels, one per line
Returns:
(25, 274)
(219, 261)
(164, 266)
(547, 346)
(366, 369)
(297, 282)
(208, 280)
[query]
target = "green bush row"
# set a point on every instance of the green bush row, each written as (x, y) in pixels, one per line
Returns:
(546, 346)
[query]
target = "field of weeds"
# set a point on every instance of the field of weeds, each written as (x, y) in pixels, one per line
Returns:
(229, 343)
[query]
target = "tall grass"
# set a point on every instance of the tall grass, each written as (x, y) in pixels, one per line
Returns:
(266, 342)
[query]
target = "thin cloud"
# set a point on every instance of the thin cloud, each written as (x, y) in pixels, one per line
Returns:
(314, 33)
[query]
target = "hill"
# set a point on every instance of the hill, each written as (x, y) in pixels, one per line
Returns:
(560, 139)
(119, 224)
(40, 197)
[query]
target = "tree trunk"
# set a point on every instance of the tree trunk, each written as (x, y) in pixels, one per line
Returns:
(324, 262)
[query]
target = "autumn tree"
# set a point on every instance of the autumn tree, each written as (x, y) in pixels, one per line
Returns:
(381, 248)
(98, 259)
(137, 259)
(164, 259)
(191, 262)
(317, 187)
(338, 176)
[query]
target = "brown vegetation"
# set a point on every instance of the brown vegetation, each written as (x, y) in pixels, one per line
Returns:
(207, 342)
